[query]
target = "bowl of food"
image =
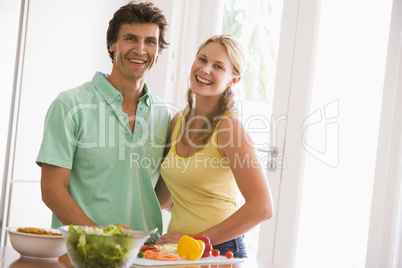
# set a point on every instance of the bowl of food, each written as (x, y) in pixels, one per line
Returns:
(37, 243)
(110, 246)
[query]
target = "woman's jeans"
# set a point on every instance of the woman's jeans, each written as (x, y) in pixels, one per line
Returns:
(237, 246)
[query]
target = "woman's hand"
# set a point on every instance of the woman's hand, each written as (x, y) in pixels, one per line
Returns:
(169, 238)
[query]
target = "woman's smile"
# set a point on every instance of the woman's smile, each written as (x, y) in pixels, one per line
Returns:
(203, 81)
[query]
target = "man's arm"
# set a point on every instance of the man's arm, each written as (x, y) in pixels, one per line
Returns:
(162, 192)
(54, 182)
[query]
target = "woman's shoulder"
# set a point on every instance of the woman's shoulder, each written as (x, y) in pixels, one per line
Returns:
(174, 122)
(229, 134)
(230, 129)
(229, 121)
(176, 117)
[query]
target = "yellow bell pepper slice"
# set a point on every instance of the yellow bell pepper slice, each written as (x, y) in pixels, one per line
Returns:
(190, 248)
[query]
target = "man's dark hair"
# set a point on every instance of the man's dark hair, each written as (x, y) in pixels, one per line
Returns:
(137, 13)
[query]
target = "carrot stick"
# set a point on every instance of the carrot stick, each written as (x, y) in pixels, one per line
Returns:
(168, 257)
(149, 254)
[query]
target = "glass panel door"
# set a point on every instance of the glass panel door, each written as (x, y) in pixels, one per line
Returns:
(257, 25)
(340, 134)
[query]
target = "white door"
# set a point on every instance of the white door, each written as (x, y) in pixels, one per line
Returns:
(289, 41)
(257, 25)
(330, 142)
(280, 37)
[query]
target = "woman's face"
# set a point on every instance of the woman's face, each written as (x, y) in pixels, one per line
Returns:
(212, 71)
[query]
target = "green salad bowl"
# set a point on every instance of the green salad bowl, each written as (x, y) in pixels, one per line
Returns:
(109, 246)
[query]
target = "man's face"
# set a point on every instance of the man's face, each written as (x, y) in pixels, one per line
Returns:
(136, 50)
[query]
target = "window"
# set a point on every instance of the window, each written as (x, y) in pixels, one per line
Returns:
(259, 33)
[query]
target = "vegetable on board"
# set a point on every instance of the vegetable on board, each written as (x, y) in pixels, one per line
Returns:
(207, 242)
(190, 248)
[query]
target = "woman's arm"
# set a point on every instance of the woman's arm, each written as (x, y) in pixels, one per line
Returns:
(235, 144)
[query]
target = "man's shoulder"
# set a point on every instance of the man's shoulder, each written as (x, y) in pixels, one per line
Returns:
(155, 99)
(80, 94)
(157, 102)
(161, 111)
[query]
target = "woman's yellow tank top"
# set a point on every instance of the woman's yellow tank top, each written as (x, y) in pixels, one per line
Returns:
(202, 186)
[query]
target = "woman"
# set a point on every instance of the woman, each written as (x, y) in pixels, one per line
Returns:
(211, 157)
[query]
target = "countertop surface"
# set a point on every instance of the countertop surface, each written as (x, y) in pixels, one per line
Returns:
(11, 258)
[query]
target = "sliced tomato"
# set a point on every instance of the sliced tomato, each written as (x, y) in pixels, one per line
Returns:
(154, 250)
(149, 247)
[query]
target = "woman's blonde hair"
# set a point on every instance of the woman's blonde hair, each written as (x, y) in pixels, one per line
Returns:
(226, 104)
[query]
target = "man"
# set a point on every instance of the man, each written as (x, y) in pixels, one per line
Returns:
(103, 141)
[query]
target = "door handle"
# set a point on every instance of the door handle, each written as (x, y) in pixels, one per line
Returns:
(272, 153)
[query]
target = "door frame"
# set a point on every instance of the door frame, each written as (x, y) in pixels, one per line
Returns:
(384, 247)
(292, 98)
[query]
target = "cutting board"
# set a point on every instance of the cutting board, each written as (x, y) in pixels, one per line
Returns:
(205, 260)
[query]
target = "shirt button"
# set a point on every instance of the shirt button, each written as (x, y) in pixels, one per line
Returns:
(117, 98)
(109, 99)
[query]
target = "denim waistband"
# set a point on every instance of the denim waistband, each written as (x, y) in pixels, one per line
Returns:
(237, 246)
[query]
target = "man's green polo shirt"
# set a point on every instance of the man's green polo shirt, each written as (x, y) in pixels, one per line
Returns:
(113, 170)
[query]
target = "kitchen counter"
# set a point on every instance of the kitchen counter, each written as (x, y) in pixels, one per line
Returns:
(11, 258)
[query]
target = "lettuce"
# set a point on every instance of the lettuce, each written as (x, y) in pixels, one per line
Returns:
(97, 247)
